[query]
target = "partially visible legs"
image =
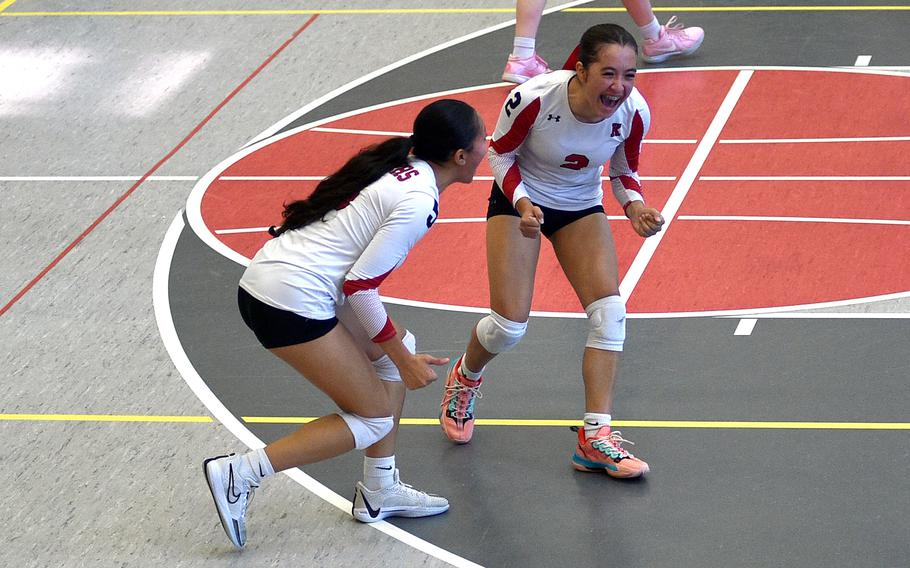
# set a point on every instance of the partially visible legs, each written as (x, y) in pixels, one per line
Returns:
(347, 366)
(587, 254)
(511, 265)
(336, 365)
(523, 62)
(662, 42)
(381, 493)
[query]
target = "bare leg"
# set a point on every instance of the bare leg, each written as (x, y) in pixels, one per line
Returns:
(587, 254)
(640, 11)
(337, 366)
(527, 17)
(512, 263)
(396, 391)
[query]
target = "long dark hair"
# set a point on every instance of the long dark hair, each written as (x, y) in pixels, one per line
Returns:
(601, 34)
(440, 129)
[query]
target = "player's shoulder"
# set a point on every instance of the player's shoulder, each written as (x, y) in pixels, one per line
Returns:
(539, 87)
(546, 82)
(415, 182)
(634, 105)
(637, 100)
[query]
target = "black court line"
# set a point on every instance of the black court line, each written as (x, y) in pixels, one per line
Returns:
(715, 497)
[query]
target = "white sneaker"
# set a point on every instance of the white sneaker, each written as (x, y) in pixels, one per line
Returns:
(232, 495)
(396, 500)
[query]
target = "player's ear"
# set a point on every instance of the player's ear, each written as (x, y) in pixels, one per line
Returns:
(579, 69)
(460, 157)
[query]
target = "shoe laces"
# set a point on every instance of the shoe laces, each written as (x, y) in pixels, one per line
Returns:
(464, 397)
(412, 492)
(611, 445)
(672, 27)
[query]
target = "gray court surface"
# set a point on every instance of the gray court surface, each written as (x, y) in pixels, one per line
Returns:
(84, 339)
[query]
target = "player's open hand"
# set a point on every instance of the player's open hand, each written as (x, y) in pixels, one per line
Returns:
(419, 371)
(646, 221)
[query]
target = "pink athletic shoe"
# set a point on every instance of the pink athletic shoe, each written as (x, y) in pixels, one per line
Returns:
(674, 39)
(456, 412)
(604, 452)
(520, 70)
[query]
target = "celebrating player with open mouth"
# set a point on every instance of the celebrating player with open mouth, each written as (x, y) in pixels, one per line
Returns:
(553, 135)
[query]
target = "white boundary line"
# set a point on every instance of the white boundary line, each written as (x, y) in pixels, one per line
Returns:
(97, 178)
(162, 307)
(793, 219)
(204, 234)
(319, 178)
(745, 326)
(331, 130)
(804, 178)
(270, 131)
(688, 177)
(175, 349)
(812, 140)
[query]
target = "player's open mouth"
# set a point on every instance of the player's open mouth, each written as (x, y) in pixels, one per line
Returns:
(610, 102)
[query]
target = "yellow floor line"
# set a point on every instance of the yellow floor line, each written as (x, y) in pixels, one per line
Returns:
(756, 9)
(717, 424)
(714, 424)
(101, 418)
(386, 11)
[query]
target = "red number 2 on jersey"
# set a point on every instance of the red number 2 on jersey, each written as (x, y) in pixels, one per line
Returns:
(575, 162)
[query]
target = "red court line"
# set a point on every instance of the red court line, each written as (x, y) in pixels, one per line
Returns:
(161, 162)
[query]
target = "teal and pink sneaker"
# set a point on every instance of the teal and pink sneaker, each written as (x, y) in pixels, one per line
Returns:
(604, 452)
(456, 413)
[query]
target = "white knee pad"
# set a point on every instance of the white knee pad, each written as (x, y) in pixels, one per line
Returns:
(384, 366)
(498, 334)
(367, 431)
(607, 318)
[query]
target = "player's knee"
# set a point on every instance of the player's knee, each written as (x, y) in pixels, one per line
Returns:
(386, 369)
(607, 320)
(498, 334)
(367, 431)
(410, 342)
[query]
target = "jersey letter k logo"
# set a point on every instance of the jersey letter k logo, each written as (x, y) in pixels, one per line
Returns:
(616, 129)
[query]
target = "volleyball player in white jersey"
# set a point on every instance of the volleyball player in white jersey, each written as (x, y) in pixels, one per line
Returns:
(553, 136)
(311, 297)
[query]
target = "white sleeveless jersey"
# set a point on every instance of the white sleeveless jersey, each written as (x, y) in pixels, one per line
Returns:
(541, 151)
(311, 270)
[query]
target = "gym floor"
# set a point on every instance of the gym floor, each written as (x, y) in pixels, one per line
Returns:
(764, 377)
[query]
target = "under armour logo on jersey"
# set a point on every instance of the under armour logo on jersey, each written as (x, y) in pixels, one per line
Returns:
(616, 129)
(555, 117)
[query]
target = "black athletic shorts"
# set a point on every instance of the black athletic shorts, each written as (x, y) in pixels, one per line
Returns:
(553, 219)
(279, 328)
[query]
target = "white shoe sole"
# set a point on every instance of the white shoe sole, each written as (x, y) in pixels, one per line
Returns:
(213, 471)
(363, 515)
(664, 57)
(512, 78)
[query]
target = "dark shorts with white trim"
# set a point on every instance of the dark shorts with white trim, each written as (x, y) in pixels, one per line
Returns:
(275, 327)
(553, 219)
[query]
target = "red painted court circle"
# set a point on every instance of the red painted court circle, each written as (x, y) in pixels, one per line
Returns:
(804, 197)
